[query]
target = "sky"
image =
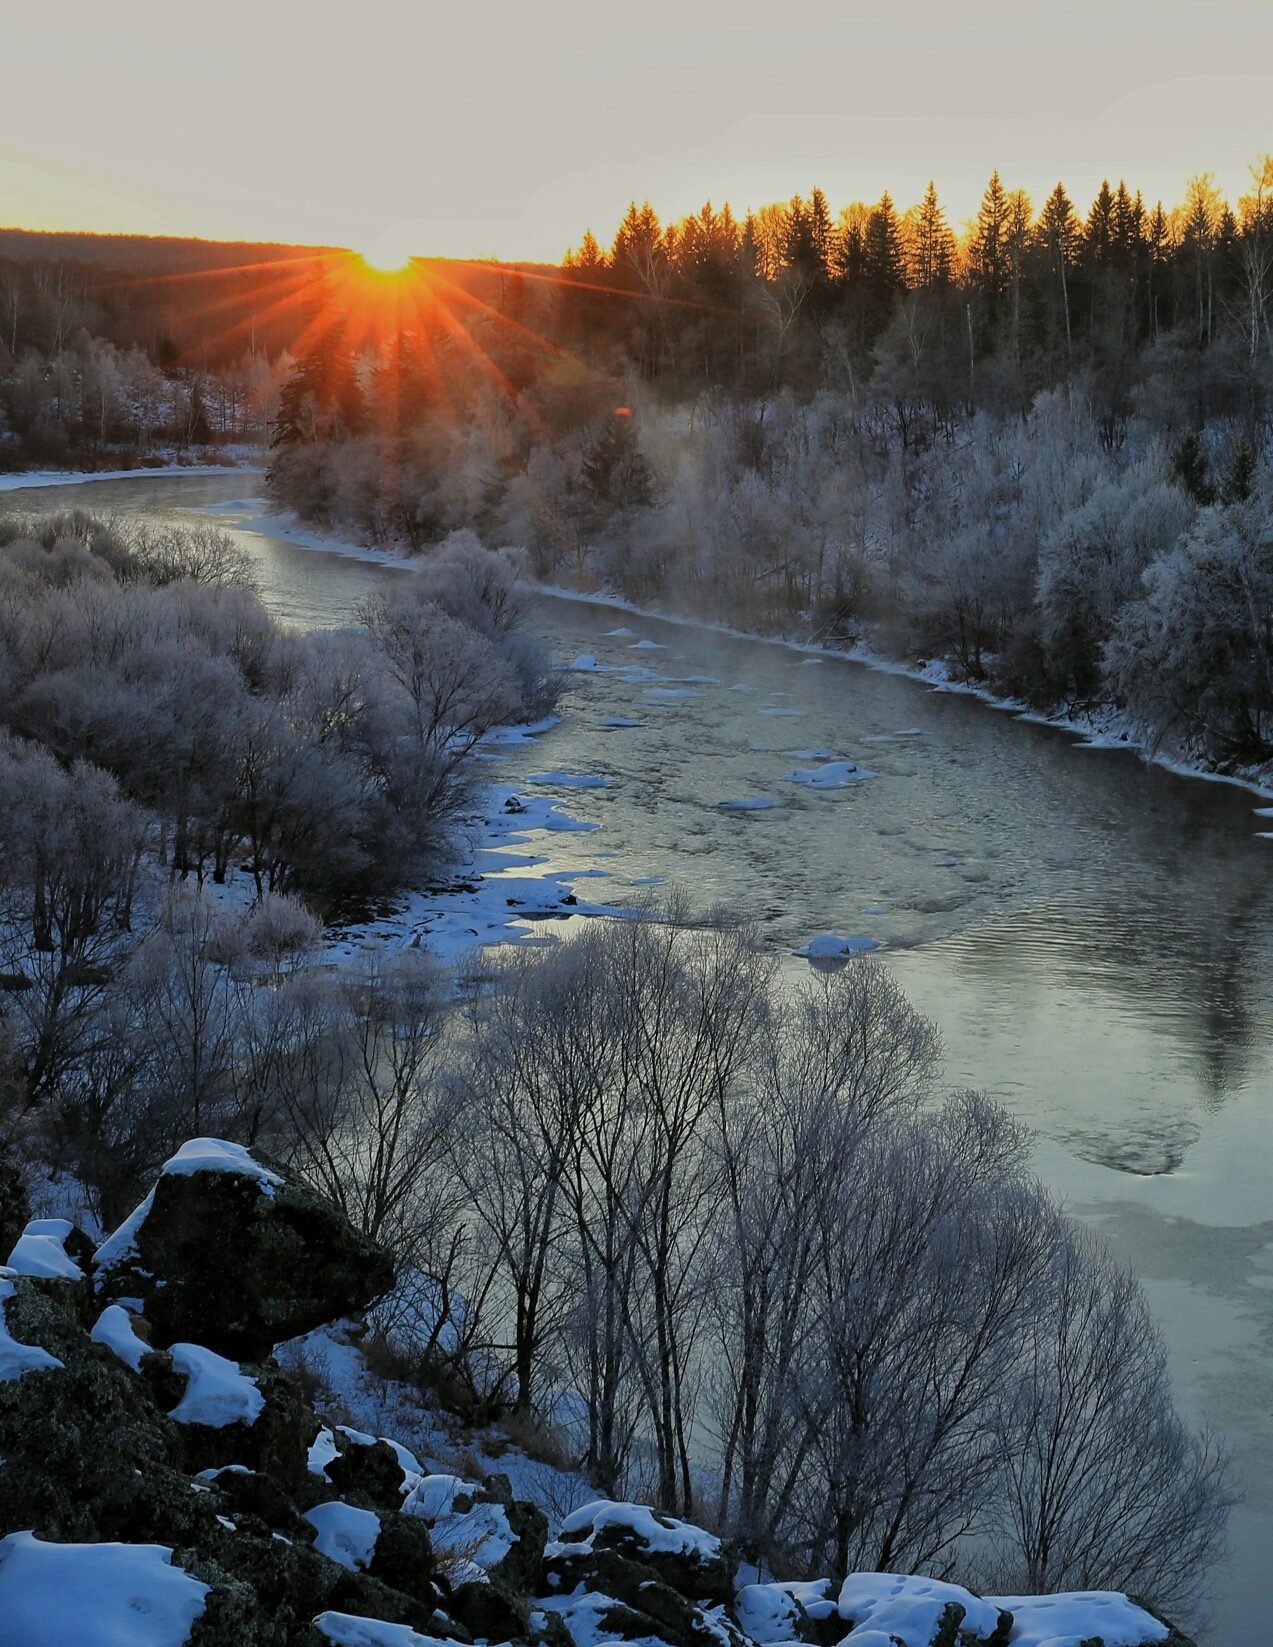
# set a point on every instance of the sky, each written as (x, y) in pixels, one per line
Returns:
(503, 129)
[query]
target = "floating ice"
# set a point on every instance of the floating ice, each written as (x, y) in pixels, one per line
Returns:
(910, 732)
(647, 646)
(664, 692)
(620, 720)
(834, 775)
(830, 948)
(610, 633)
(806, 754)
(761, 803)
(584, 662)
(741, 688)
(771, 709)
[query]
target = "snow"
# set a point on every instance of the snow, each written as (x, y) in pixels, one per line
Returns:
(218, 1393)
(15, 1358)
(482, 1534)
(761, 803)
(582, 1614)
(345, 1534)
(77, 477)
(123, 1243)
(114, 1328)
(39, 1250)
(911, 1608)
(834, 775)
(830, 948)
(216, 1155)
(663, 1533)
(323, 1451)
(345, 1630)
(569, 780)
(768, 1612)
(94, 1595)
(1068, 1620)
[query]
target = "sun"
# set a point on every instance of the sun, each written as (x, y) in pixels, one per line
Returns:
(389, 253)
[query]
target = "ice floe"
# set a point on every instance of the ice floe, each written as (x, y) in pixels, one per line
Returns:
(759, 803)
(620, 720)
(834, 775)
(831, 948)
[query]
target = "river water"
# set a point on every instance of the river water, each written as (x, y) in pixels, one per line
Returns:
(1091, 934)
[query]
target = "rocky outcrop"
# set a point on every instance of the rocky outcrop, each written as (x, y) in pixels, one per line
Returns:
(154, 1458)
(227, 1253)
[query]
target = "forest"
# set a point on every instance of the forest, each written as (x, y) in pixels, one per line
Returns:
(711, 1238)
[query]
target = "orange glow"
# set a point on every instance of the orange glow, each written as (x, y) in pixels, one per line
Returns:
(387, 261)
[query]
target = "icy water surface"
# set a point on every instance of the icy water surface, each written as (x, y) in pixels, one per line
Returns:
(1091, 934)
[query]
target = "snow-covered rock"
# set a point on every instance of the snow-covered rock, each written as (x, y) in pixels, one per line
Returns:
(114, 1328)
(1080, 1616)
(41, 1250)
(345, 1534)
(913, 1610)
(94, 1595)
(16, 1358)
(217, 1393)
(691, 1561)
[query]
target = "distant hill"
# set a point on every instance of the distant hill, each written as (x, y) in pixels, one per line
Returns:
(145, 254)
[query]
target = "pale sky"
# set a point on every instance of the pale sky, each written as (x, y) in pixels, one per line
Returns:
(498, 128)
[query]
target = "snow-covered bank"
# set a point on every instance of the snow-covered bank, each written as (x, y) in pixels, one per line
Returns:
(80, 477)
(1102, 729)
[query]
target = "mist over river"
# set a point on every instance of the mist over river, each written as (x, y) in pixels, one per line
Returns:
(1092, 934)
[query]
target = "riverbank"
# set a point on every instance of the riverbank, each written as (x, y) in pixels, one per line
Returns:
(31, 480)
(1104, 728)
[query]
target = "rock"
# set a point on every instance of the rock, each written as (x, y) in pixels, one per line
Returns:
(491, 1612)
(369, 1466)
(227, 1253)
(15, 1203)
(794, 1611)
(403, 1557)
(691, 1561)
(276, 1442)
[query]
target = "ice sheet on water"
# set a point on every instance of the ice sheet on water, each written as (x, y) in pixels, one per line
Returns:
(94, 1595)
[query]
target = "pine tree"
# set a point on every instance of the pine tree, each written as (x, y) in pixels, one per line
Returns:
(883, 258)
(988, 249)
(931, 251)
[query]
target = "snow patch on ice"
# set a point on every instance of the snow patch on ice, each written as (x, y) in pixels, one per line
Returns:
(830, 948)
(834, 775)
(94, 1595)
(218, 1392)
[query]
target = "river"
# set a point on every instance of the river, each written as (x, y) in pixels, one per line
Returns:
(1091, 933)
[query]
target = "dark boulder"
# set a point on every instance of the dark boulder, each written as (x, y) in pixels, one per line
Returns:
(694, 1563)
(228, 1253)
